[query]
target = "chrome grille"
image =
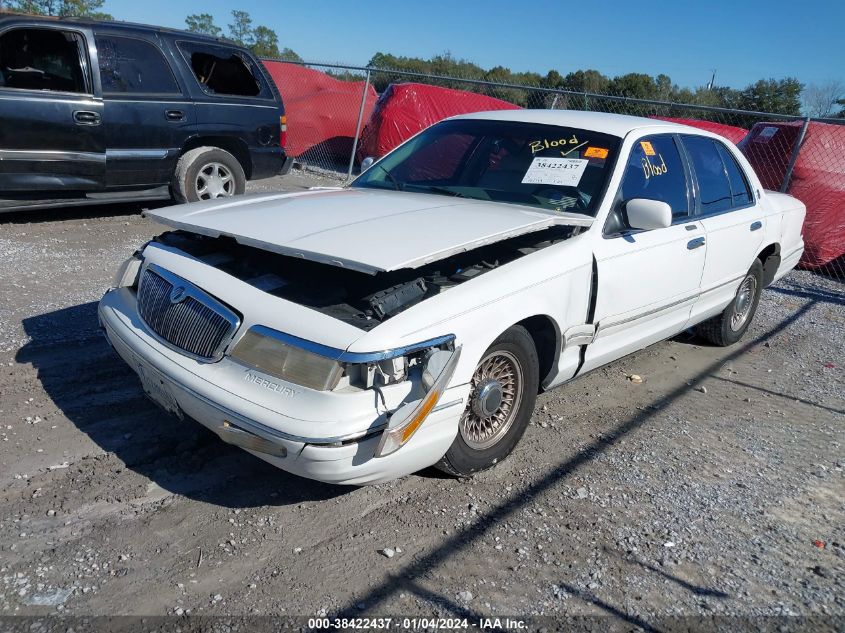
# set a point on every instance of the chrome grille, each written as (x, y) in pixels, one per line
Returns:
(188, 319)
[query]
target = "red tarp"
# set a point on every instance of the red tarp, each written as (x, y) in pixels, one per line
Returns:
(322, 112)
(732, 133)
(405, 109)
(818, 180)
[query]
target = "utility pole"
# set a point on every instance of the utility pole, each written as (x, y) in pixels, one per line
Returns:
(712, 80)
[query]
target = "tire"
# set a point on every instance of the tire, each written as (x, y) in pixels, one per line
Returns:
(206, 173)
(729, 326)
(485, 438)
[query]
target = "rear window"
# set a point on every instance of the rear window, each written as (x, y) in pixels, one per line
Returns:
(223, 71)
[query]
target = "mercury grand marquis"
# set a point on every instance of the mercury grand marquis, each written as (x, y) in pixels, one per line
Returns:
(359, 334)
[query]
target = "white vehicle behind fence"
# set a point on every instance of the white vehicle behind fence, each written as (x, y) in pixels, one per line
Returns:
(410, 319)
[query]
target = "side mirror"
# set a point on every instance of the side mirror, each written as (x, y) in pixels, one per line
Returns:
(648, 214)
(367, 163)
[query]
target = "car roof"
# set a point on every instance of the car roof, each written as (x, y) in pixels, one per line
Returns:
(112, 24)
(605, 122)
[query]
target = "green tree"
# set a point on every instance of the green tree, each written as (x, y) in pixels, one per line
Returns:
(63, 8)
(203, 23)
(780, 96)
(265, 42)
(240, 30)
(292, 56)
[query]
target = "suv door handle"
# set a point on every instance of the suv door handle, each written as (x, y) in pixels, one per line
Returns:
(174, 115)
(756, 225)
(86, 117)
(693, 244)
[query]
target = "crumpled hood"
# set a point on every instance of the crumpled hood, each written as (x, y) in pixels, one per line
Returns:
(362, 229)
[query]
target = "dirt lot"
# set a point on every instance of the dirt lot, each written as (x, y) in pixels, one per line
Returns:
(713, 487)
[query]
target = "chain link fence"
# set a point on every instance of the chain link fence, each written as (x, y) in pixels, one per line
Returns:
(339, 114)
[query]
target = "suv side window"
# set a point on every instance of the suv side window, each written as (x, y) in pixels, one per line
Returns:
(42, 59)
(740, 189)
(655, 171)
(714, 189)
(222, 70)
(133, 66)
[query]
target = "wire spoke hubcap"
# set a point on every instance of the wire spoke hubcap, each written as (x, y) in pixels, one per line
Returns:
(496, 393)
(742, 303)
(215, 181)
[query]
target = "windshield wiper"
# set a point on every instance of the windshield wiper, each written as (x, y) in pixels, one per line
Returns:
(444, 190)
(395, 182)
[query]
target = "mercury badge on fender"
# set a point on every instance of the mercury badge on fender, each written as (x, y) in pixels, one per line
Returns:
(360, 334)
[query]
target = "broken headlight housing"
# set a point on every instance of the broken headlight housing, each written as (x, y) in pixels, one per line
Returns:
(323, 368)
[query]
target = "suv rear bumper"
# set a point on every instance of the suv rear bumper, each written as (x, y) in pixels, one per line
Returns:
(268, 162)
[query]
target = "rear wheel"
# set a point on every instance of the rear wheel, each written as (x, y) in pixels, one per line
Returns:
(729, 326)
(206, 173)
(501, 400)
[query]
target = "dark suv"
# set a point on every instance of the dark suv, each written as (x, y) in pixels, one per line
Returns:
(93, 111)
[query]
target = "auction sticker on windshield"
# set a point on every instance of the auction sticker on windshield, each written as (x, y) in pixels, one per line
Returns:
(564, 172)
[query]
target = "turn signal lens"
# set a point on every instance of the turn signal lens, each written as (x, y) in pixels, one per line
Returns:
(407, 419)
(283, 131)
(127, 274)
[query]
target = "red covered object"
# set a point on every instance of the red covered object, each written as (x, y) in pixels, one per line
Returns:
(405, 109)
(732, 133)
(818, 180)
(322, 112)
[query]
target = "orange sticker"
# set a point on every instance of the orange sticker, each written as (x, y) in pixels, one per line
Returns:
(647, 148)
(595, 152)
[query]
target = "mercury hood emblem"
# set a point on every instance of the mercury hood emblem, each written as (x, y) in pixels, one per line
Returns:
(178, 294)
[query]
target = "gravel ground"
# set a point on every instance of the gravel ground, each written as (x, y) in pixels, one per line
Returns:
(714, 487)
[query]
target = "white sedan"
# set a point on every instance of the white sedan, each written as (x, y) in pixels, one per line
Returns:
(360, 334)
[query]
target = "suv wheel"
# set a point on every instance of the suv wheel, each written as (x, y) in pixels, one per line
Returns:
(504, 390)
(206, 173)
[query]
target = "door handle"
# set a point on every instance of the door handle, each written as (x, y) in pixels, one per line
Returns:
(756, 225)
(86, 117)
(174, 115)
(693, 244)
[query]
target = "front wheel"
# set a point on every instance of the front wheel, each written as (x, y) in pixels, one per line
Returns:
(206, 173)
(729, 326)
(501, 400)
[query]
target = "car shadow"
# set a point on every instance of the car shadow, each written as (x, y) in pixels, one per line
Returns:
(406, 578)
(83, 212)
(98, 393)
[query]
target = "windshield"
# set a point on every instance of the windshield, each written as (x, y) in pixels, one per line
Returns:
(546, 166)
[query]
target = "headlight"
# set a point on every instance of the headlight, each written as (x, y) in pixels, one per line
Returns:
(127, 274)
(261, 349)
(321, 367)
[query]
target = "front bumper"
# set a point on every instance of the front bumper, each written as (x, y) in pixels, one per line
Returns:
(279, 438)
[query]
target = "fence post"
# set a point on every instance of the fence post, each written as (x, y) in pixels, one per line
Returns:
(358, 127)
(792, 159)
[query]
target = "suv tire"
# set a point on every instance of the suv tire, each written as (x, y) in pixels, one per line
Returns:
(206, 173)
(501, 401)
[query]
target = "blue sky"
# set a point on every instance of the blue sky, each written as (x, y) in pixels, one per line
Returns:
(744, 40)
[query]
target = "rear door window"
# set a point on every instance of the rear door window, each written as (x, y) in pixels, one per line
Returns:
(714, 189)
(221, 70)
(740, 191)
(132, 66)
(43, 59)
(655, 171)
